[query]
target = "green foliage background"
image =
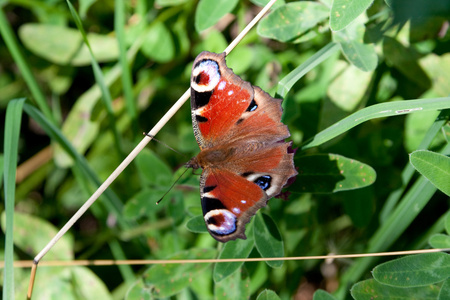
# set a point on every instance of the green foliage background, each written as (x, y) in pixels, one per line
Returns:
(365, 87)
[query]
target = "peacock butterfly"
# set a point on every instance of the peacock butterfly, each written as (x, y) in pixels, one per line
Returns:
(244, 157)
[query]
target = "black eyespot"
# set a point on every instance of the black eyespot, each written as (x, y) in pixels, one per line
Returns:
(263, 182)
(246, 174)
(252, 106)
(201, 118)
(208, 189)
(209, 204)
(239, 121)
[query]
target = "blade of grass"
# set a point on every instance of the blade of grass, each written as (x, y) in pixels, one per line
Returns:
(22, 64)
(119, 25)
(411, 205)
(106, 96)
(408, 172)
(388, 109)
(10, 148)
(285, 85)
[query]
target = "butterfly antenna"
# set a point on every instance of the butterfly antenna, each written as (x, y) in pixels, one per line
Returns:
(157, 202)
(162, 143)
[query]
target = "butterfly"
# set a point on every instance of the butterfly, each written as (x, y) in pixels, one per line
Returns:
(244, 156)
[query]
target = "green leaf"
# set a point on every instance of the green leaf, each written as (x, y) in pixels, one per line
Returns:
(444, 293)
(169, 279)
(143, 204)
(268, 239)
(233, 249)
(406, 61)
(292, 20)
(327, 173)
(138, 291)
(371, 289)
(63, 45)
(440, 241)
(197, 224)
(343, 12)
(323, 295)
(415, 270)
(236, 286)
(362, 56)
(268, 295)
(87, 285)
(164, 3)
(153, 170)
(9, 161)
(434, 166)
(209, 12)
(31, 235)
(348, 89)
(158, 44)
(447, 223)
(263, 3)
(416, 128)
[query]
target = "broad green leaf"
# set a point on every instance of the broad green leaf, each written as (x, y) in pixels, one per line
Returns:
(209, 12)
(437, 68)
(169, 279)
(416, 127)
(153, 170)
(371, 289)
(57, 44)
(440, 241)
(87, 285)
(233, 249)
(348, 88)
(327, 173)
(362, 56)
(263, 3)
(323, 295)
(52, 282)
(343, 12)
(158, 44)
(268, 239)
(406, 61)
(415, 270)
(268, 295)
(143, 204)
(444, 293)
(434, 166)
(447, 223)
(31, 234)
(197, 224)
(164, 3)
(63, 45)
(138, 291)
(359, 205)
(233, 287)
(289, 21)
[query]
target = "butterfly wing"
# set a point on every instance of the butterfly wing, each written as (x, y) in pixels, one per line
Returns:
(228, 203)
(238, 128)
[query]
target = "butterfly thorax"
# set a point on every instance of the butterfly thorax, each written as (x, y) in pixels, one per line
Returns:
(210, 158)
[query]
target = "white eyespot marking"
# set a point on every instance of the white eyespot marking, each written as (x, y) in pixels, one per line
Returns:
(210, 76)
(220, 221)
(236, 210)
(243, 201)
(230, 93)
(222, 85)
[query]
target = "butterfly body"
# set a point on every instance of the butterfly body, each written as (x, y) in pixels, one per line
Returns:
(244, 158)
